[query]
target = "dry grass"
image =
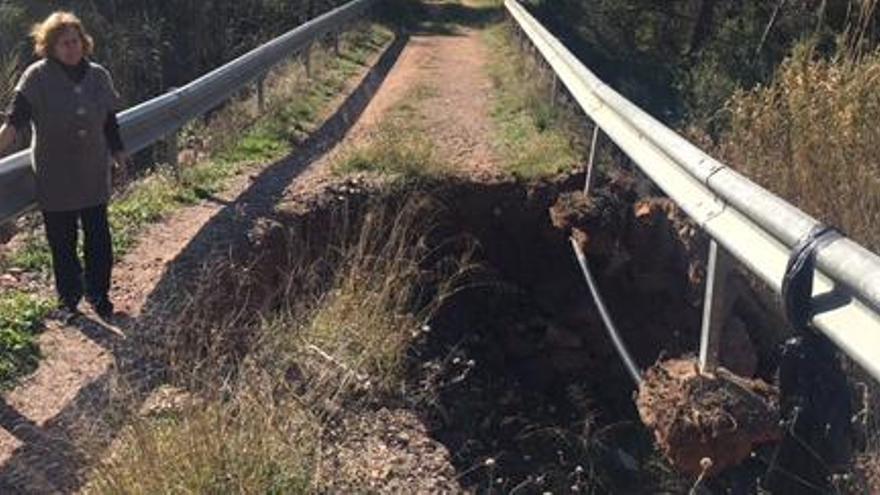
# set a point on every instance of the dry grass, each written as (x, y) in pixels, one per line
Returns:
(249, 445)
(282, 362)
(811, 137)
(533, 135)
(400, 146)
(353, 336)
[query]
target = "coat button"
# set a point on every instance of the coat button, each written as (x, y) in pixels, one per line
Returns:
(80, 111)
(77, 89)
(81, 133)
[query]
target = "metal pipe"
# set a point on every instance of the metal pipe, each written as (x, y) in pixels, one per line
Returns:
(716, 305)
(619, 345)
(588, 182)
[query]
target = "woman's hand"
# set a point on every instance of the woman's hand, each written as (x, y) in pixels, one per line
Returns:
(120, 167)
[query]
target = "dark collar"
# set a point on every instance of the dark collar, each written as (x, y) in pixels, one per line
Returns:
(77, 72)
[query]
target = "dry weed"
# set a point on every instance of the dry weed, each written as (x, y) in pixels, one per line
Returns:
(326, 316)
(810, 136)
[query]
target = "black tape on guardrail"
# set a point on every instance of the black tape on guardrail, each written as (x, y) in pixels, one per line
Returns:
(797, 285)
(814, 394)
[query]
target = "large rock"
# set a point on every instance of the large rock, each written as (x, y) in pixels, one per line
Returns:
(704, 424)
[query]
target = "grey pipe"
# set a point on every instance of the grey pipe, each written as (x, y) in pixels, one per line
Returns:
(619, 345)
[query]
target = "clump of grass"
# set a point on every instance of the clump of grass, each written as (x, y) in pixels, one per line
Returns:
(394, 149)
(32, 256)
(245, 445)
(385, 290)
(531, 133)
(337, 325)
(401, 146)
(811, 136)
(20, 317)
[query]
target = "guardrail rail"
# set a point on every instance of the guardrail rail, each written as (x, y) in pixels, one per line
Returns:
(744, 220)
(148, 122)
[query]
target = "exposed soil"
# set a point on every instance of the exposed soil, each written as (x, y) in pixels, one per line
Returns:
(705, 424)
(516, 377)
(386, 451)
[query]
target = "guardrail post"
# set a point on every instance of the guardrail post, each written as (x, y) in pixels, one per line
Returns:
(261, 94)
(172, 149)
(336, 37)
(715, 307)
(591, 162)
(308, 60)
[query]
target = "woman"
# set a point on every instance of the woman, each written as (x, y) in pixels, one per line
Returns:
(71, 103)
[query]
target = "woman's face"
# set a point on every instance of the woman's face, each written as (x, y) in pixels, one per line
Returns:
(68, 48)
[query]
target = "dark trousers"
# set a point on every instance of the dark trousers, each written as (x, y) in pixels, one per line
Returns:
(62, 229)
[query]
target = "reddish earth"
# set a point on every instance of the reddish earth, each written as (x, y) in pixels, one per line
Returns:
(705, 424)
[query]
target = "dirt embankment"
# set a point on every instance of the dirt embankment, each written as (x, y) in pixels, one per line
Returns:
(517, 380)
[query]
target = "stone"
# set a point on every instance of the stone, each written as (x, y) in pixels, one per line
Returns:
(720, 417)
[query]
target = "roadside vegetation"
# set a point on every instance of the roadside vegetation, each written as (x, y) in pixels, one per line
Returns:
(21, 316)
(236, 140)
(400, 147)
(784, 91)
(534, 133)
(150, 47)
(810, 135)
(264, 388)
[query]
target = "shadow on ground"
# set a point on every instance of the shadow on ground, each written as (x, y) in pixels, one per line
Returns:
(442, 18)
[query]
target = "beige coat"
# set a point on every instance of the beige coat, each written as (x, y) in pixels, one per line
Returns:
(70, 153)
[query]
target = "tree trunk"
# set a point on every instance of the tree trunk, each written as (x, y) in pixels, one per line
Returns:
(703, 26)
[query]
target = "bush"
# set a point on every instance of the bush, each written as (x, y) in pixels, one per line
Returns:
(811, 136)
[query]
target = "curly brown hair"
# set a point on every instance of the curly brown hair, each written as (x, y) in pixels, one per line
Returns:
(46, 33)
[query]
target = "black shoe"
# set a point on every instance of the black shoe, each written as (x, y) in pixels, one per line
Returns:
(102, 306)
(67, 313)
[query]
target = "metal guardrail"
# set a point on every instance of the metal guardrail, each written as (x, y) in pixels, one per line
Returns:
(750, 223)
(146, 123)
